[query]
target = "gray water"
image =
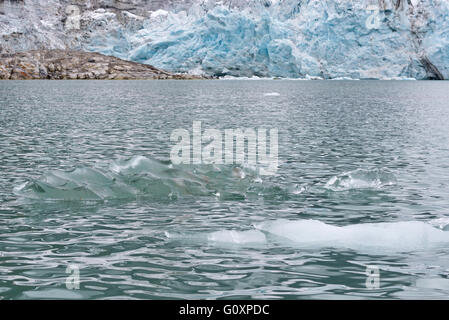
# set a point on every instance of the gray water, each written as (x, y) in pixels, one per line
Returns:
(86, 182)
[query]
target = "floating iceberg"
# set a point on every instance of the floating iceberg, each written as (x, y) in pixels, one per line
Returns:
(147, 178)
(404, 236)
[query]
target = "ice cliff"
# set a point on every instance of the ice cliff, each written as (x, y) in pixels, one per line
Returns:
(376, 39)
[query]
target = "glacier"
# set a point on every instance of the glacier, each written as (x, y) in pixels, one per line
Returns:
(312, 39)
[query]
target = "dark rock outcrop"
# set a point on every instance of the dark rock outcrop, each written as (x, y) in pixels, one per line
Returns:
(66, 64)
(432, 72)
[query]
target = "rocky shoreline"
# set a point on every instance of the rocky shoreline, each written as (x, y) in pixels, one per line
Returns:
(73, 65)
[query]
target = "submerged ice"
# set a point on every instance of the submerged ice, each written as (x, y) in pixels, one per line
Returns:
(332, 39)
(142, 177)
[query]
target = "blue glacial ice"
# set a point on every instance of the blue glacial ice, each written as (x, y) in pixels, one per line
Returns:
(294, 39)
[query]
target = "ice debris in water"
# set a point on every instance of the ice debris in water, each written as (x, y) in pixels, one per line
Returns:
(400, 236)
(361, 179)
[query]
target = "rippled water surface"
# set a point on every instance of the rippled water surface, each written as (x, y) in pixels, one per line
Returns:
(86, 181)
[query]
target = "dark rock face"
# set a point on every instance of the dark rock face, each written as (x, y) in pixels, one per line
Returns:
(432, 72)
(66, 64)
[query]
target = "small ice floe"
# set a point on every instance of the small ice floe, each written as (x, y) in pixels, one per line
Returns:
(272, 94)
(361, 179)
(400, 236)
(395, 236)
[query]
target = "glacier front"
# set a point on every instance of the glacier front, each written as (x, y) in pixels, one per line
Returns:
(329, 39)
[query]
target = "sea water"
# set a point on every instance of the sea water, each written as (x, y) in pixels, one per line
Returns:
(92, 207)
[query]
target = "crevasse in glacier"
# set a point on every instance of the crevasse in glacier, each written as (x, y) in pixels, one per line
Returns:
(378, 39)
